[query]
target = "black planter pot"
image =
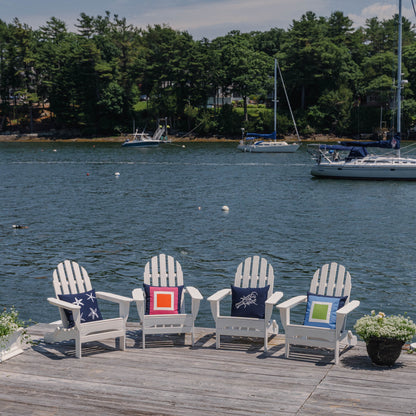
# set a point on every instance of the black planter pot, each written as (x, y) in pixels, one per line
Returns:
(384, 351)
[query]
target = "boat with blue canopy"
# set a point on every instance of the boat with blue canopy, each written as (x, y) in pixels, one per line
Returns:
(352, 160)
(268, 143)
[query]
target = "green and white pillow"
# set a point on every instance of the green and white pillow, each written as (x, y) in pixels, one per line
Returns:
(321, 311)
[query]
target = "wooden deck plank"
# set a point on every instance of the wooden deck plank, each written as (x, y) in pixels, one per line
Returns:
(363, 402)
(171, 378)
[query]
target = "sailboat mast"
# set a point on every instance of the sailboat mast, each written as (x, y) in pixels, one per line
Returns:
(399, 75)
(275, 94)
(287, 99)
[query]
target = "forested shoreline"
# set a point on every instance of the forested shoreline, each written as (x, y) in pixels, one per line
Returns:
(108, 77)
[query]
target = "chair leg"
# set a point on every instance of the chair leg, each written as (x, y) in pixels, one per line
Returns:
(78, 348)
(337, 353)
(287, 347)
(218, 341)
(143, 339)
(122, 343)
(192, 336)
(265, 342)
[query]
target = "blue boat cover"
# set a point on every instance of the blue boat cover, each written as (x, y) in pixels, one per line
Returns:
(253, 136)
(355, 151)
(393, 143)
(359, 149)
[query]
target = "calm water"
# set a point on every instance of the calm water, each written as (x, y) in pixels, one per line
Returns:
(75, 207)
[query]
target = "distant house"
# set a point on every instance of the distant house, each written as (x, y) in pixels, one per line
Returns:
(222, 99)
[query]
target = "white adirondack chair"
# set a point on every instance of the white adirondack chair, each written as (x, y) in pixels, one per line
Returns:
(165, 271)
(254, 272)
(330, 280)
(71, 278)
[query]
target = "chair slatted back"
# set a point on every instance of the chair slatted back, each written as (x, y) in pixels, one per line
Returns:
(164, 271)
(331, 280)
(70, 278)
(255, 272)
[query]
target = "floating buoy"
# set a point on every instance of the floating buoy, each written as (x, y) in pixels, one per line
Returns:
(225, 208)
(183, 146)
(88, 174)
(54, 150)
(199, 208)
(117, 174)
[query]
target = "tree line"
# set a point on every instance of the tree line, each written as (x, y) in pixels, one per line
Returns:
(107, 76)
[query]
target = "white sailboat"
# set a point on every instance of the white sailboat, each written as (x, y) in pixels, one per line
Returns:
(358, 163)
(267, 143)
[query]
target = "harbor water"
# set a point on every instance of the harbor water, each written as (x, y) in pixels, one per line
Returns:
(72, 205)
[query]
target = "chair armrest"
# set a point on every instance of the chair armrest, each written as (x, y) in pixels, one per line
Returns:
(113, 297)
(63, 304)
(196, 297)
(194, 293)
(286, 306)
(139, 298)
(292, 302)
(342, 315)
(215, 299)
(138, 295)
(123, 302)
(272, 300)
(221, 294)
(75, 309)
(348, 308)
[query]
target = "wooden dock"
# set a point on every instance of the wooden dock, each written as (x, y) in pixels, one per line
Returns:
(171, 378)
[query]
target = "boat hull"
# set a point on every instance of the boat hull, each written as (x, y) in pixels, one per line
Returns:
(405, 171)
(272, 147)
(147, 143)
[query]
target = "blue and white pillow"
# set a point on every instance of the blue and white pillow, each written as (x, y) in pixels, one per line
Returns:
(321, 310)
(89, 307)
(248, 302)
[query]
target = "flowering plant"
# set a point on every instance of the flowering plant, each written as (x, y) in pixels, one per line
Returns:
(10, 323)
(397, 327)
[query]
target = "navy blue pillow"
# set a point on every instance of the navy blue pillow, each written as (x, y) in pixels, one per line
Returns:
(89, 307)
(248, 302)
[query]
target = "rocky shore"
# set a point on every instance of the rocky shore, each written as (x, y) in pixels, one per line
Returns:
(48, 138)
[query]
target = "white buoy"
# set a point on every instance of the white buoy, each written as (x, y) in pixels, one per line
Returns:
(117, 174)
(225, 208)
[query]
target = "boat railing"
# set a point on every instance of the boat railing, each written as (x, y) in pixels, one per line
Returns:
(320, 154)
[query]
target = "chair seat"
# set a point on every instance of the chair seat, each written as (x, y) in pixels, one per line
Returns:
(105, 326)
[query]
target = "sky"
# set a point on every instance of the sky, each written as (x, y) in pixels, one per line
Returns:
(201, 18)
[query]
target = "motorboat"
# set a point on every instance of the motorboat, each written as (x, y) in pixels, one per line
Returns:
(145, 140)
